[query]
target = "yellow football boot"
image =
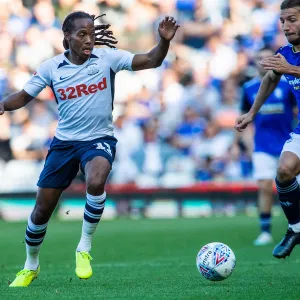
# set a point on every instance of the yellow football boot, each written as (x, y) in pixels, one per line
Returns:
(25, 277)
(83, 265)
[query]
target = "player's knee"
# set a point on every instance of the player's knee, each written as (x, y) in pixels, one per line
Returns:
(95, 185)
(284, 173)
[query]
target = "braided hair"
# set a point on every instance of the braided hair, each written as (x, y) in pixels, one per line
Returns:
(103, 36)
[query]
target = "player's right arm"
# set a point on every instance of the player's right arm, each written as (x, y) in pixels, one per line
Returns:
(245, 106)
(40, 79)
(15, 101)
(267, 86)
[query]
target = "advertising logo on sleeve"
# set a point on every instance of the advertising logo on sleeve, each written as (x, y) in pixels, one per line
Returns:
(293, 82)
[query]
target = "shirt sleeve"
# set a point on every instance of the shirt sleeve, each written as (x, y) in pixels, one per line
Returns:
(245, 105)
(39, 80)
(120, 60)
(278, 51)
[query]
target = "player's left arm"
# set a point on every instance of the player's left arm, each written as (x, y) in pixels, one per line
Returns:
(279, 65)
(167, 29)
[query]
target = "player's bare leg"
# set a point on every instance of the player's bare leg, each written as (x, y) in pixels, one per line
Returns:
(289, 196)
(265, 201)
(35, 232)
(96, 171)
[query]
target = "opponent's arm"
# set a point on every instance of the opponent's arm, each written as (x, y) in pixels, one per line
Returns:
(279, 64)
(167, 29)
(15, 101)
(267, 86)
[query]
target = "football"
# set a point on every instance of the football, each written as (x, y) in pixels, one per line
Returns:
(215, 261)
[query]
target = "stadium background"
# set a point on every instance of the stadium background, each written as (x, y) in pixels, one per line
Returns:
(176, 155)
(174, 123)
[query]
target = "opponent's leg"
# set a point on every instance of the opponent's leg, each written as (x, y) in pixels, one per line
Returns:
(96, 171)
(289, 196)
(35, 232)
(265, 201)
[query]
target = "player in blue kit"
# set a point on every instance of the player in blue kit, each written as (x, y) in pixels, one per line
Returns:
(285, 62)
(82, 80)
(273, 123)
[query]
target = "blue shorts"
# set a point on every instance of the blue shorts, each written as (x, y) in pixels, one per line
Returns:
(65, 157)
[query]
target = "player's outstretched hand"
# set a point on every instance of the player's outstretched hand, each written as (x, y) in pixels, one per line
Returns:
(242, 122)
(2, 110)
(167, 28)
(276, 63)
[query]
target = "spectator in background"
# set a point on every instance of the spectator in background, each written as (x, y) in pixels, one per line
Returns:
(172, 97)
(149, 156)
(3, 83)
(19, 20)
(138, 33)
(125, 170)
(5, 149)
(264, 21)
(29, 140)
(228, 110)
(222, 59)
(44, 16)
(191, 126)
(64, 7)
(37, 48)
(214, 143)
(198, 25)
(152, 155)
(41, 114)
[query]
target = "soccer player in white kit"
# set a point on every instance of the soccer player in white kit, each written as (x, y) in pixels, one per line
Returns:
(82, 80)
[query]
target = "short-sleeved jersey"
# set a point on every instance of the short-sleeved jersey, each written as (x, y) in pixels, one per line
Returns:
(273, 122)
(292, 58)
(84, 93)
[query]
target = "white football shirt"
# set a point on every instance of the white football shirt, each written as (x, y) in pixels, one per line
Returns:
(84, 93)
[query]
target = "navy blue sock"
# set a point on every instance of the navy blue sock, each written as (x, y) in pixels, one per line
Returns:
(289, 196)
(265, 222)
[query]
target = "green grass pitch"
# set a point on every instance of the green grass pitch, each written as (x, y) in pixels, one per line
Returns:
(151, 259)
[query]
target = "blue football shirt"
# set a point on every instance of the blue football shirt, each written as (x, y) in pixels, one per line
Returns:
(273, 122)
(293, 58)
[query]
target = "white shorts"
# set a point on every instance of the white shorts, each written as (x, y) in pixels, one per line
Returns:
(264, 165)
(293, 144)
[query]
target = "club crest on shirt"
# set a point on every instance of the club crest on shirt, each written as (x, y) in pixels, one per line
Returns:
(92, 69)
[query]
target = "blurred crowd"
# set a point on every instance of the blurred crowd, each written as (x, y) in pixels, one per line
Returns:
(174, 123)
